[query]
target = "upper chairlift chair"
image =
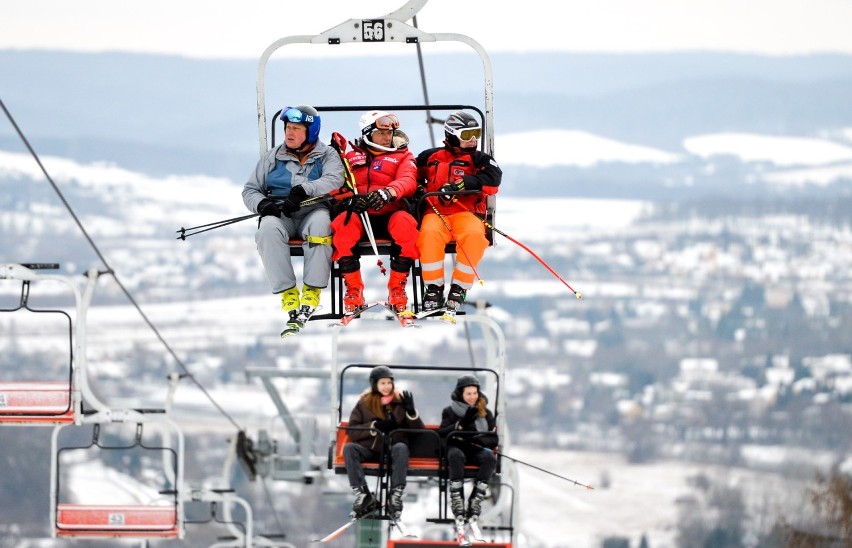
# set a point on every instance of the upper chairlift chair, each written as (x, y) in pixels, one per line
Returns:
(391, 28)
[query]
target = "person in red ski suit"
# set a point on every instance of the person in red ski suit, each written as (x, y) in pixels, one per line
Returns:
(456, 166)
(385, 174)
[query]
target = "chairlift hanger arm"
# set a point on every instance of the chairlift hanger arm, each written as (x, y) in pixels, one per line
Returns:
(390, 28)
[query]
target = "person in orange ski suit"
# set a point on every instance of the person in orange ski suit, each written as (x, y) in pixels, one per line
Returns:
(456, 166)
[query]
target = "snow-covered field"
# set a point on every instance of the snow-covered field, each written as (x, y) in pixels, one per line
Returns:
(640, 499)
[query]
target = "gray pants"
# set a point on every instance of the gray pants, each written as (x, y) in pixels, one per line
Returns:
(456, 458)
(354, 455)
(272, 236)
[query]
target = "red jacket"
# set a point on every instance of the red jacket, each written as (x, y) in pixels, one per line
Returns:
(394, 170)
(437, 167)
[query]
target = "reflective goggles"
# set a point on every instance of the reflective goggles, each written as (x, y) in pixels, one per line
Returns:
(468, 133)
(388, 121)
(296, 116)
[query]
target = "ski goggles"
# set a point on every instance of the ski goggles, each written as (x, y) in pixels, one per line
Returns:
(388, 121)
(468, 133)
(290, 114)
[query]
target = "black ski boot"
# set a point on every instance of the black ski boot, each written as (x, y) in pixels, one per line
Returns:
(455, 299)
(364, 503)
(474, 504)
(395, 502)
(433, 297)
(457, 499)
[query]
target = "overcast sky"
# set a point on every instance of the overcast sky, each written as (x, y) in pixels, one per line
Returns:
(243, 28)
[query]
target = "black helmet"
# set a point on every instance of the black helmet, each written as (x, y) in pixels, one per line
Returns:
(379, 372)
(463, 382)
(461, 126)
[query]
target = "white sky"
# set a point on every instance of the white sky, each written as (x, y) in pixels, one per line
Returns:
(243, 29)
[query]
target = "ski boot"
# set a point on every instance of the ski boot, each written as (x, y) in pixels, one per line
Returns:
(455, 298)
(433, 297)
(474, 503)
(397, 297)
(395, 502)
(457, 507)
(310, 296)
(290, 304)
(364, 502)
(290, 299)
(353, 299)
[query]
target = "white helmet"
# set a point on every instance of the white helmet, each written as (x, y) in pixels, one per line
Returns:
(377, 119)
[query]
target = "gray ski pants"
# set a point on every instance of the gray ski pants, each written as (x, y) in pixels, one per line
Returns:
(272, 236)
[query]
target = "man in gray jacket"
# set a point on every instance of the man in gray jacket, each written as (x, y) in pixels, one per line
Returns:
(300, 167)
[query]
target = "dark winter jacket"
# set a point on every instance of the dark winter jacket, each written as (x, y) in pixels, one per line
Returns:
(371, 439)
(450, 423)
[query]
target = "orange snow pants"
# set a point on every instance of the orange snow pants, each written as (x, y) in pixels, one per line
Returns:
(470, 247)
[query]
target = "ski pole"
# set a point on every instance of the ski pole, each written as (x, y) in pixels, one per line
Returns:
(458, 243)
(338, 141)
(340, 194)
(504, 455)
(333, 196)
(219, 224)
(527, 249)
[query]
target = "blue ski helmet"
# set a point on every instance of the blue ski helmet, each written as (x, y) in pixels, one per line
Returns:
(306, 115)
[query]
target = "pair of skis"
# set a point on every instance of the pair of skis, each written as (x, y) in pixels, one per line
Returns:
(445, 314)
(475, 532)
(405, 318)
(398, 524)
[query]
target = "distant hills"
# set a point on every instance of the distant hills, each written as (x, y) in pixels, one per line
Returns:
(169, 115)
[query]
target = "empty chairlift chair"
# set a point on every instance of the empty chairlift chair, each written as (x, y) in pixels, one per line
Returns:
(28, 395)
(126, 507)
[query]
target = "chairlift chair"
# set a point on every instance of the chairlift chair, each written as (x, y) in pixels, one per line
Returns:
(32, 401)
(161, 519)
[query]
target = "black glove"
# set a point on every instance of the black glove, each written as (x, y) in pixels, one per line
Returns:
(268, 207)
(487, 441)
(445, 190)
(385, 426)
(469, 417)
(408, 402)
(359, 204)
(293, 202)
(378, 198)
